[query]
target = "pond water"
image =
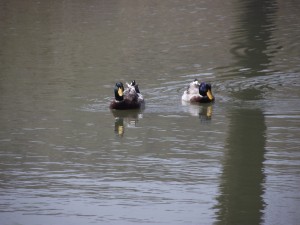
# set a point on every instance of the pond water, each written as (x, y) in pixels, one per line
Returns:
(65, 158)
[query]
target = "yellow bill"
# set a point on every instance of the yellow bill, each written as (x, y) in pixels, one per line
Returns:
(120, 92)
(209, 95)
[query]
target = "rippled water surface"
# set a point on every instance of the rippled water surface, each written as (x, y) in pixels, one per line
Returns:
(65, 158)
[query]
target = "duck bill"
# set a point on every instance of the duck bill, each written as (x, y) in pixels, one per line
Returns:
(120, 92)
(209, 95)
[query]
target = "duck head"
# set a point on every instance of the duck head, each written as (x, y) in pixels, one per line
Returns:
(205, 90)
(119, 89)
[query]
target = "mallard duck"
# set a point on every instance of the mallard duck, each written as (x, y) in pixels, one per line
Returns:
(130, 98)
(198, 92)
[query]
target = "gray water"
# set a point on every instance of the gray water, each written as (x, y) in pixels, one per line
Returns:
(65, 158)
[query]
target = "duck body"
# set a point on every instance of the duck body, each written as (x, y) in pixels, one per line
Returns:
(129, 98)
(198, 93)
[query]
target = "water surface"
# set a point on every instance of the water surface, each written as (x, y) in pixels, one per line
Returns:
(67, 159)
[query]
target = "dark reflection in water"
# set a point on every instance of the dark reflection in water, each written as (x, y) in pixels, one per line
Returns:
(126, 118)
(241, 201)
(241, 187)
(253, 35)
(252, 44)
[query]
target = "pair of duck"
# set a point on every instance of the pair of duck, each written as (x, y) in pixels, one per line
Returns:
(131, 98)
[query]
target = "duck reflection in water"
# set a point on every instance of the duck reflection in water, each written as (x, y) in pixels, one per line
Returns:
(204, 112)
(126, 118)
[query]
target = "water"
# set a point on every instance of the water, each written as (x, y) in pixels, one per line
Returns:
(67, 159)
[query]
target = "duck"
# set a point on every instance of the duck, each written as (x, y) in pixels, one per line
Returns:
(129, 98)
(197, 92)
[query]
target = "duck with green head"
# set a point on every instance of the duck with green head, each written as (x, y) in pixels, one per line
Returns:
(198, 93)
(129, 98)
